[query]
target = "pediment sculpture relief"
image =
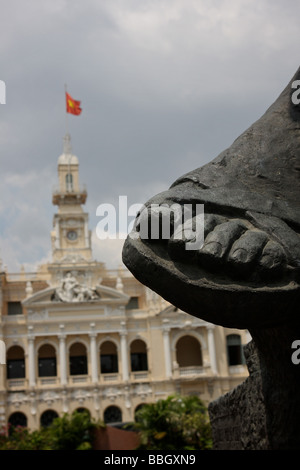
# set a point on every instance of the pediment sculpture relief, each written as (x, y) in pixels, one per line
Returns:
(70, 290)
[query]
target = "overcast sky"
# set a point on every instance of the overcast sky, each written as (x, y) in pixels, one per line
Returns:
(165, 86)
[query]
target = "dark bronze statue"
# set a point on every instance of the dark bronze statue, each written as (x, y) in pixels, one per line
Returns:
(246, 274)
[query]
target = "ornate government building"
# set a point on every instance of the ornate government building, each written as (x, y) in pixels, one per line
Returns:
(80, 336)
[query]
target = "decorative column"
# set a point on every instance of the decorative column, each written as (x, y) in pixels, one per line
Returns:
(124, 353)
(65, 401)
(86, 234)
(33, 404)
(93, 348)
(167, 351)
(2, 352)
(62, 356)
(31, 357)
(212, 349)
(96, 399)
(2, 410)
(57, 240)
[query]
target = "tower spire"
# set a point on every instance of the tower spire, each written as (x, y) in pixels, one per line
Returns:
(67, 147)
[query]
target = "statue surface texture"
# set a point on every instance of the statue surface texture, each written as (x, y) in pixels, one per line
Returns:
(246, 274)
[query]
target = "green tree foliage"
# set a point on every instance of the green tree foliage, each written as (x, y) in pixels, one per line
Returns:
(72, 432)
(176, 423)
(20, 438)
(69, 432)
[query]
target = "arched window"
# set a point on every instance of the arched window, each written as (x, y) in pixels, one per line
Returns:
(112, 414)
(47, 418)
(17, 419)
(78, 359)
(138, 355)
(234, 350)
(15, 363)
(47, 361)
(69, 182)
(188, 352)
(108, 358)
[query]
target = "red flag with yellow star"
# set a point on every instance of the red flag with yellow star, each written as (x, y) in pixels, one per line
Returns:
(73, 106)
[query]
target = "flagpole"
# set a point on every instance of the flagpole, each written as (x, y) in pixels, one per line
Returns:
(68, 139)
(67, 124)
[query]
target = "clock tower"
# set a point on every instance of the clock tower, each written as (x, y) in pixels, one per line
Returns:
(71, 238)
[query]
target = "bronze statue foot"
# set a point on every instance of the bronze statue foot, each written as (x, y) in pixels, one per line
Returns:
(260, 247)
(246, 272)
(236, 247)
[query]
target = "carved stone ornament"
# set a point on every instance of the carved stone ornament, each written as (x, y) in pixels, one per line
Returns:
(70, 290)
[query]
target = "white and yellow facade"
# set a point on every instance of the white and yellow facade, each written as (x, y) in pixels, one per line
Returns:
(80, 336)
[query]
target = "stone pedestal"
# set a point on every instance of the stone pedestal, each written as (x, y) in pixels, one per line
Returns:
(238, 418)
(263, 413)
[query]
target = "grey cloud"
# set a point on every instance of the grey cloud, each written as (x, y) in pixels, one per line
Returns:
(165, 86)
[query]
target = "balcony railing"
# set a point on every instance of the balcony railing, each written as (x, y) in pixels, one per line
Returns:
(191, 370)
(76, 379)
(114, 377)
(238, 369)
(139, 375)
(17, 383)
(49, 381)
(59, 195)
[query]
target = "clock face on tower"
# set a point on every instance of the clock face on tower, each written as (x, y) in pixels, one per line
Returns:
(72, 235)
